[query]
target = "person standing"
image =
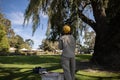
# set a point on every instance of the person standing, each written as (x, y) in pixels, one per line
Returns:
(67, 44)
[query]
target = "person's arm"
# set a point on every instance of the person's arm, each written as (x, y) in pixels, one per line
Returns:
(60, 45)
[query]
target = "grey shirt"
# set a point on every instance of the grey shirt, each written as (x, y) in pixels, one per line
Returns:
(67, 45)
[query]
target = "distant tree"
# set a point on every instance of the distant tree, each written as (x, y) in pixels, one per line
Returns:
(4, 45)
(48, 45)
(10, 34)
(2, 32)
(89, 41)
(30, 42)
(40, 46)
(12, 41)
(4, 21)
(24, 45)
(19, 41)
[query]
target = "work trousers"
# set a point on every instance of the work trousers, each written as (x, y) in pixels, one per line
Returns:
(68, 65)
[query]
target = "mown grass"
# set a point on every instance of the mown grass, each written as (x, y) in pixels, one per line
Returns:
(20, 68)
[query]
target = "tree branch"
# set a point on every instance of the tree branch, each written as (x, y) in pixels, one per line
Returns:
(87, 20)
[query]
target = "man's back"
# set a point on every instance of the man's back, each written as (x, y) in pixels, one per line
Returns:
(67, 44)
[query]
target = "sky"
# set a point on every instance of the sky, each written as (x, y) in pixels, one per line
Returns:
(14, 11)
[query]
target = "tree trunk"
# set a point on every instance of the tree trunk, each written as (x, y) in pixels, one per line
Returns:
(107, 42)
(107, 49)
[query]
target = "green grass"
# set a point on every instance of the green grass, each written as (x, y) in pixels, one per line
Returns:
(20, 68)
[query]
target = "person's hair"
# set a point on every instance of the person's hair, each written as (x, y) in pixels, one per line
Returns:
(63, 32)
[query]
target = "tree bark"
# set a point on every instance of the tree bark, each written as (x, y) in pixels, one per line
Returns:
(107, 41)
(107, 49)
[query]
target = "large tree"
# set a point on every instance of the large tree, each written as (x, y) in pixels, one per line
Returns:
(72, 12)
(4, 23)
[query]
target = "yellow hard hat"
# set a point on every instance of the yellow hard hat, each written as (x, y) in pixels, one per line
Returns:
(66, 29)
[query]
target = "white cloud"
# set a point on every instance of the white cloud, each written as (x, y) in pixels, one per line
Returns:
(16, 18)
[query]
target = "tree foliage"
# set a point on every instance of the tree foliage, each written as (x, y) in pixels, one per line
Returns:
(8, 38)
(89, 39)
(30, 42)
(4, 45)
(48, 45)
(60, 12)
(72, 12)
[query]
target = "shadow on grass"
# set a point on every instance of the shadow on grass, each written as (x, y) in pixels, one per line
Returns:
(16, 74)
(25, 73)
(22, 73)
(29, 59)
(87, 77)
(86, 66)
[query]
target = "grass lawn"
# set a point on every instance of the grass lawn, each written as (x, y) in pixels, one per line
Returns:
(20, 68)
